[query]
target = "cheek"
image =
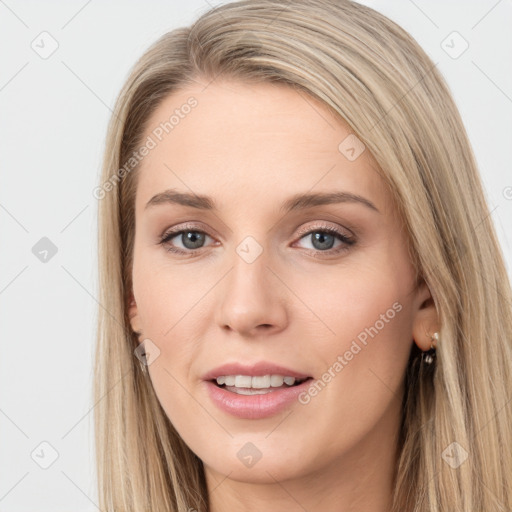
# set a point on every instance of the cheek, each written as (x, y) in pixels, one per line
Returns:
(170, 302)
(366, 348)
(348, 301)
(168, 294)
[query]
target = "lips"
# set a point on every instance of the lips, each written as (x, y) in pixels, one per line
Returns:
(253, 369)
(256, 403)
(257, 406)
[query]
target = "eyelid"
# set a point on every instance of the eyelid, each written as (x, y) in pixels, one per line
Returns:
(347, 239)
(199, 226)
(325, 225)
(187, 226)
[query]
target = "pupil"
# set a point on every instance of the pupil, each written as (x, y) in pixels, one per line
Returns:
(321, 237)
(192, 239)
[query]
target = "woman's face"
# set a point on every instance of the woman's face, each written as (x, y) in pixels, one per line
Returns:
(323, 287)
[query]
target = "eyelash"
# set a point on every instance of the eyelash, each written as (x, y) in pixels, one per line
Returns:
(347, 241)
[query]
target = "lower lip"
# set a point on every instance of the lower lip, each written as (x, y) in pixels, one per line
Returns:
(254, 406)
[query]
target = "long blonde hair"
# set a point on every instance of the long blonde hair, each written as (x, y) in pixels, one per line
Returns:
(374, 76)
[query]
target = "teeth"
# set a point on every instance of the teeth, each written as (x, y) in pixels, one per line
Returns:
(243, 381)
(276, 380)
(260, 382)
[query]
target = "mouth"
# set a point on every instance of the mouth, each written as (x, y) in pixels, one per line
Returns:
(257, 385)
(254, 390)
(234, 395)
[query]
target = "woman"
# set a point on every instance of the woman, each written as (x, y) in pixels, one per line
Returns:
(304, 303)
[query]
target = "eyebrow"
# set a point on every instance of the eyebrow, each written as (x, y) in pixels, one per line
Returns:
(296, 202)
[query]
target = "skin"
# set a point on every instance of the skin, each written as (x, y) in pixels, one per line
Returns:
(251, 147)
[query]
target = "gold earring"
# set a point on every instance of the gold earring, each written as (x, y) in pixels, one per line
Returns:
(429, 355)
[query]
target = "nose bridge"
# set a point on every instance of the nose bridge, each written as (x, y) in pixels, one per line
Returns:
(249, 275)
(249, 298)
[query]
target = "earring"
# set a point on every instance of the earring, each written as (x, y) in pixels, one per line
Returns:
(428, 355)
(141, 354)
(143, 366)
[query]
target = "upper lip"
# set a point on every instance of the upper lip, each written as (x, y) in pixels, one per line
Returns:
(253, 369)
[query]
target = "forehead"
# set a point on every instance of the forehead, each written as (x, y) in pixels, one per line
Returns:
(252, 143)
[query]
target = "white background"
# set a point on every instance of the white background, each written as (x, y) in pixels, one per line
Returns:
(52, 129)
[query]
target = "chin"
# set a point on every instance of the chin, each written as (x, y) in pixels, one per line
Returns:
(263, 472)
(243, 462)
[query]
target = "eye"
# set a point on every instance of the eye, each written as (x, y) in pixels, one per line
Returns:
(324, 237)
(190, 238)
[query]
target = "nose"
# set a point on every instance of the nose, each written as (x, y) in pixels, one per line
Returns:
(252, 299)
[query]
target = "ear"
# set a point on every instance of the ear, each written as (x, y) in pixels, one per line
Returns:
(426, 319)
(133, 313)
